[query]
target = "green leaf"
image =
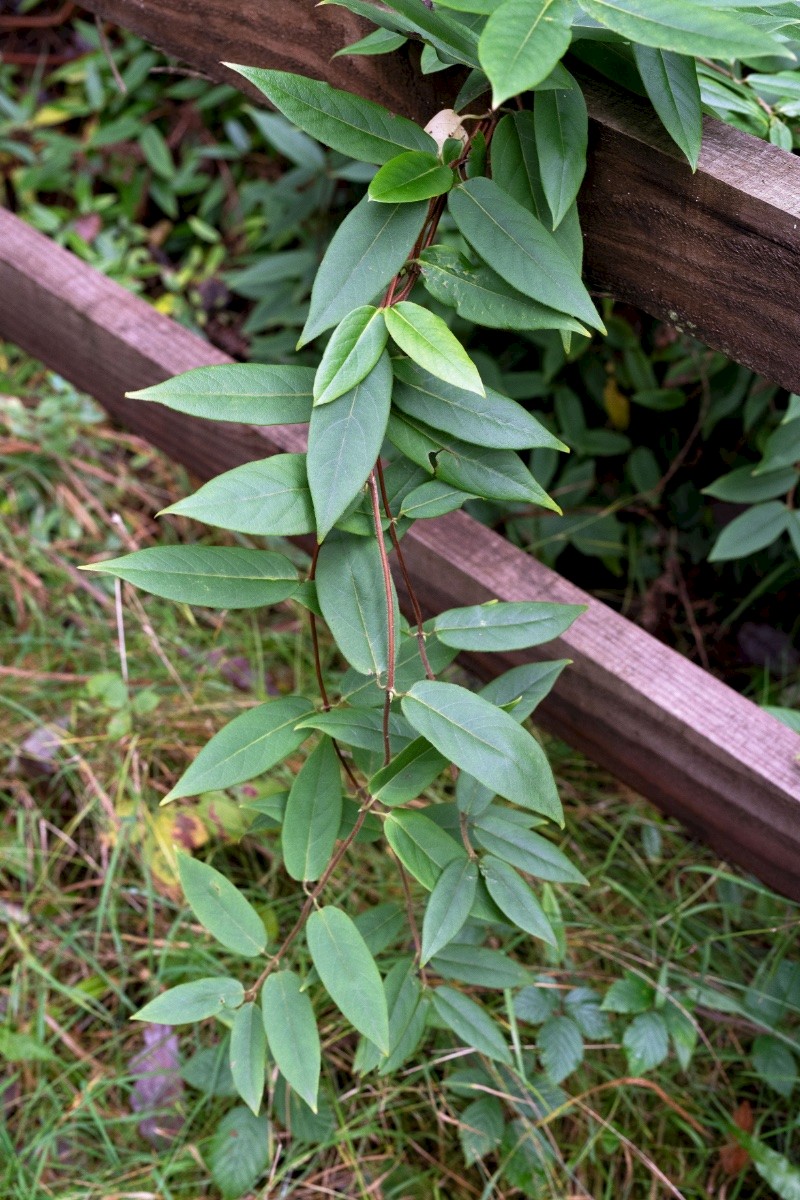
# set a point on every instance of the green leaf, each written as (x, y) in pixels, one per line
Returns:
(742, 486)
(193, 1001)
(513, 625)
(520, 248)
(251, 393)
(432, 499)
(671, 83)
(353, 350)
(292, 1033)
(269, 497)
(313, 814)
(425, 338)
(523, 848)
(450, 37)
(221, 908)
(348, 973)
(360, 727)
(408, 1017)
(521, 44)
(449, 906)
(239, 1152)
(515, 899)
(350, 589)
(422, 847)
(470, 1023)
(484, 741)
(583, 1005)
(480, 1128)
(775, 1064)
(480, 295)
(344, 441)
(630, 994)
(535, 1004)
(775, 1169)
(478, 966)
(408, 774)
(491, 420)
(213, 576)
(561, 1047)
(562, 133)
(684, 27)
(248, 1055)
(355, 127)
(412, 176)
(380, 41)
(646, 1042)
(753, 530)
(526, 686)
(366, 252)
(247, 746)
(403, 993)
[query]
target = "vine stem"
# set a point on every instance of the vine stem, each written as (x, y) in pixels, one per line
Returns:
(392, 633)
(412, 595)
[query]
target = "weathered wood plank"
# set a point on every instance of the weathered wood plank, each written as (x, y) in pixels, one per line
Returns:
(717, 252)
(688, 742)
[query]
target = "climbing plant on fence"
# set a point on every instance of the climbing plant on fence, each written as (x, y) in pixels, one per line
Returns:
(473, 217)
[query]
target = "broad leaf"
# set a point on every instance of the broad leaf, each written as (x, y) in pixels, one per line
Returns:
(350, 589)
(408, 774)
(366, 252)
(353, 350)
(433, 499)
(449, 906)
(221, 908)
(562, 131)
(213, 576)
(313, 814)
(505, 625)
(194, 1001)
(671, 83)
(348, 973)
(478, 966)
(248, 1055)
(247, 746)
(742, 486)
(422, 847)
(239, 1152)
(753, 530)
(523, 848)
(481, 1128)
(775, 1169)
(251, 393)
(526, 686)
(560, 1045)
(360, 727)
(775, 1064)
(470, 1023)
(522, 43)
(408, 1011)
(292, 1033)
(515, 899)
(646, 1042)
(425, 338)
(269, 497)
(412, 176)
(684, 27)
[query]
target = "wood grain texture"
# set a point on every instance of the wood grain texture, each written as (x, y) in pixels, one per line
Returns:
(692, 745)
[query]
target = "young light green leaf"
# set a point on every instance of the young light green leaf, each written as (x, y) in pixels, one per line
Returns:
(251, 393)
(560, 1045)
(380, 41)
(192, 1002)
(355, 127)
(313, 814)
(521, 44)
(248, 1055)
(247, 746)
(351, 594)
(470, 1023)
(448, 906)
(515, 899)
(292, 1033)
(344, 441)
(753, 530)
(646, 1042)
(239, 1152)
(269, 497)
(671, 83)
(353, 350)
(484, 741)
(685, 28)
(524, 849)
(348, 973)
(520, 249)
(562, 132)
(221, 908)
(213, 576)
(408, 774)
(412, 176)
(425, 338)
(512, 625)
(366, 252)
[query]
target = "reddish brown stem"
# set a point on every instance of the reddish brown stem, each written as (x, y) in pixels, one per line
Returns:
(387, 584)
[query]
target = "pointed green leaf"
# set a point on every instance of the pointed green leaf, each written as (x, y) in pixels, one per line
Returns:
(348, 972)
(221, 908)
(671, 83)
(353, 350)
(449, 37)
(515, 899)
(350, 589)
(408, 1011)
(448, 906)
(402, 988)
(521, 44)
(292, 1033)
(526, 686)
(560, 1045)
(412, 176)
(422, 847)
(252, 393)
(355, 127)
(366, 252)
(239, 1152)
(248, 1055)
(380, 41)
(433, 499)
(484, 741)
(753, 530)
(478, 966)
(313, 814)
(470, 1023)
(408, 774)
(269, 497)
(523, 848)
(775, 1064)
(213, 576)
(684, 27)
(425, 338)
(562, 132)
(506, 625)
(743, 487)
(360, 727)
(192, 1002)
(247, 746)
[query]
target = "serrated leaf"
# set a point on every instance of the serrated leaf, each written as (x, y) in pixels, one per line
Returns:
(509, 625)
(448, 906)
(752, 531)
(670, 81)
(292, 1033)
(478, 966)
(366, 252)
(470, 1023)
(221, 908)
(630, 994)
(524, 849)
(250, 393)
(480, 1128)
(484, 741)
(521, 44)
(212, 576)
(646, 1042)
(775, 1064)
(562, 132)
(269, 497)
(412, 176)
(560, 1045)
(536, 1004)
(515, 899)
(193, 1001)
(408, 774)
(348, 973)
(353, 350)
(313, 814)
(583, 1005)
(425, 338)
(239, 1152)
(247, 746)
(684, 27)
(351, 594)
(248, 1055)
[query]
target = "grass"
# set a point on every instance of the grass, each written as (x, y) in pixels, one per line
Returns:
(94, 924)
